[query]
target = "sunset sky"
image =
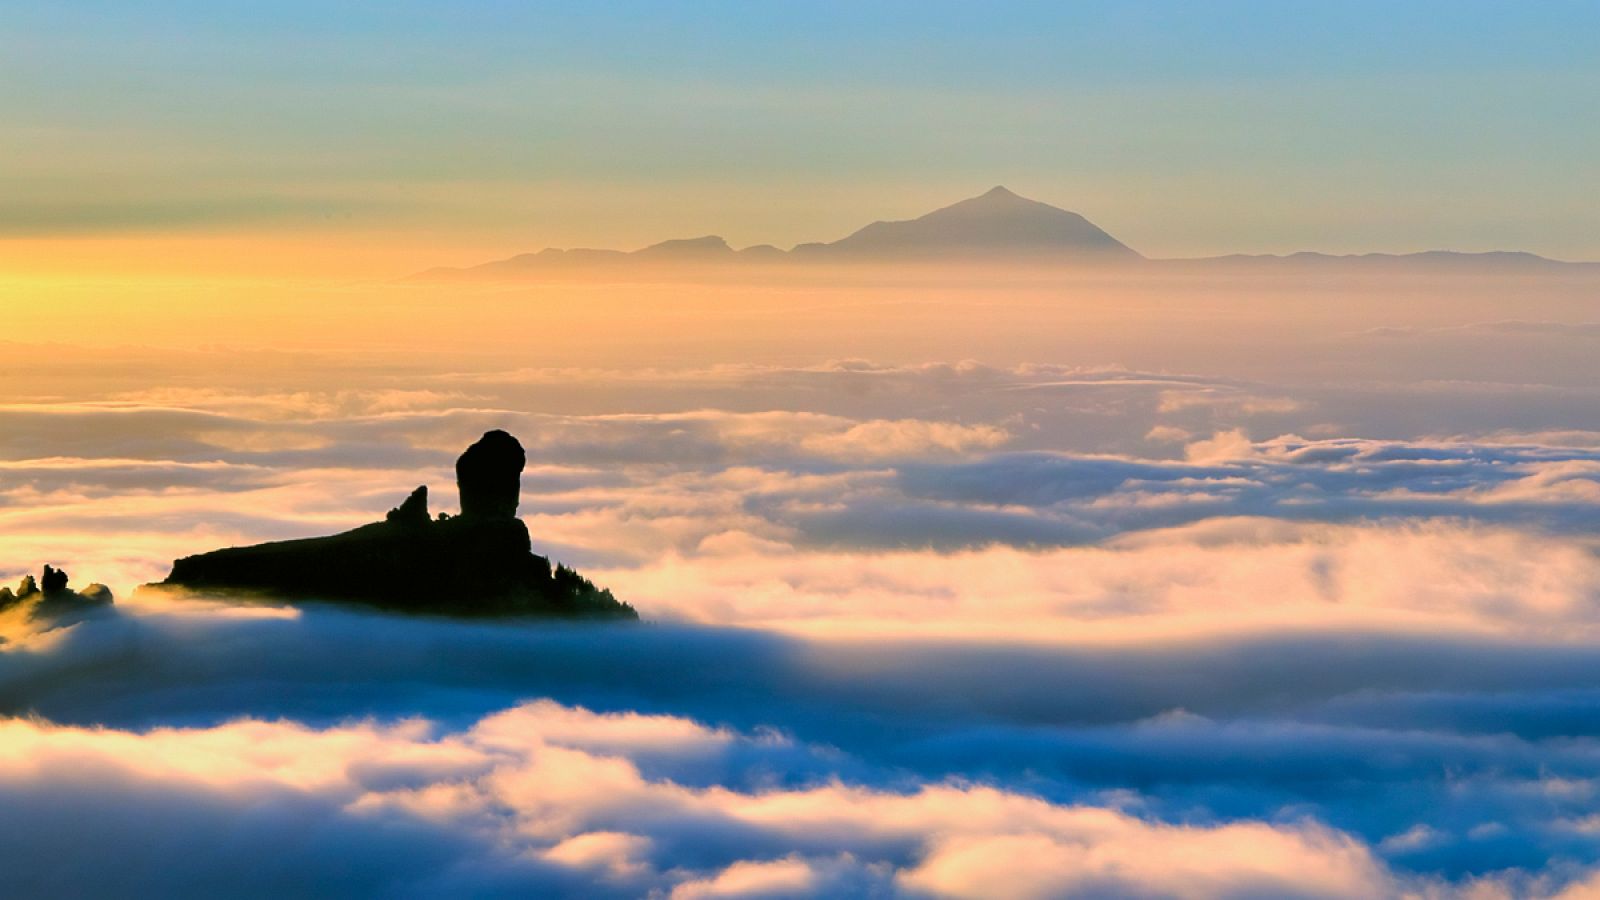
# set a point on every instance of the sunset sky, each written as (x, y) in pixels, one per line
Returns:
(372, 139)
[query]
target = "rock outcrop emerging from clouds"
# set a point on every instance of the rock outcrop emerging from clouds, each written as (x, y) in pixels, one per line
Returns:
(49, 600)
(480, 563)
(489, 476)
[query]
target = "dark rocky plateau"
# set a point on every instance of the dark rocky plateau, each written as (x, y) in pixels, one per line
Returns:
(478, 564)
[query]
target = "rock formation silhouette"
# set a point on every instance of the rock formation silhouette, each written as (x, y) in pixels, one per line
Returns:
(50, 598)
(480, 563)
(489, 476)
(413, 511)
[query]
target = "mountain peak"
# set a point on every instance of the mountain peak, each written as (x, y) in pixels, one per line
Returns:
(998, 223)
(999, 199)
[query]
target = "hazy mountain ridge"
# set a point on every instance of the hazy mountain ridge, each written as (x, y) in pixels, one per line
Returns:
(998, 223)
(996, 226)
(1494, 258)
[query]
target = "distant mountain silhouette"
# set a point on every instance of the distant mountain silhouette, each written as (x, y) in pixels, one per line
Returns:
(1491, 259)
(998, 226)
(700, 248)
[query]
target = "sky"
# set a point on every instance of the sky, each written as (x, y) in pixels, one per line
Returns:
(370, 140)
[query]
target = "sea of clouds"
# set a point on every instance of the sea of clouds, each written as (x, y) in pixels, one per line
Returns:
(946, 629)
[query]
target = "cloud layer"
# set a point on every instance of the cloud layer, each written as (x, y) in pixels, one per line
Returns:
(919, 630)
(548, 799)
(696, 761)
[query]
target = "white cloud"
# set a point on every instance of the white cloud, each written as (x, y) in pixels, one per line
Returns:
(503, 800)
(1224, 446)
(1237, 576)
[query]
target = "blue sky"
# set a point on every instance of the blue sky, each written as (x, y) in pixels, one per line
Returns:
(1182, 128)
